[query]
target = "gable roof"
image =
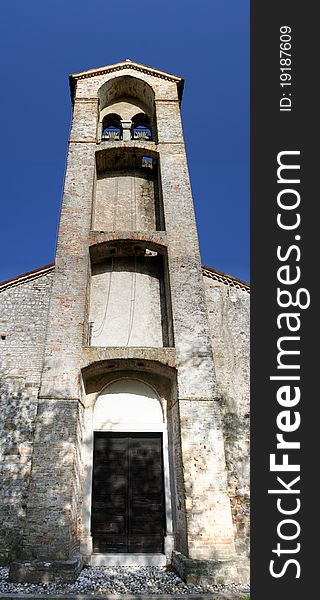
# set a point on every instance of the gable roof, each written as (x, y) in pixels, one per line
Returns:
(226, 279)
(25, 277)
(207, 271)
(126, 64)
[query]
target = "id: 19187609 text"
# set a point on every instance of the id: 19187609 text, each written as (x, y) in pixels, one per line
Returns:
(285, 68)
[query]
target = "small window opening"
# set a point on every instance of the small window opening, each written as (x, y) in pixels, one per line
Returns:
(147, 162)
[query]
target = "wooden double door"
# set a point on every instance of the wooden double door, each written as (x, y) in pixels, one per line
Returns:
(128, 493)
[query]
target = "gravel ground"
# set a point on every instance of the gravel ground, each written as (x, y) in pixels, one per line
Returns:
(117, 580)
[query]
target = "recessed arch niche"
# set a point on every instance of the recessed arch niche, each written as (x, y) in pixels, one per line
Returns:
(127, 408)
(128, 93)
(127, 193)
(128, 304)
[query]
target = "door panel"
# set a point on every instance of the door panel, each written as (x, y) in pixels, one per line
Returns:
(128, 493)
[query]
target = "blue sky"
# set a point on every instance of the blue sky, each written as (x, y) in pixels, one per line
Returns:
(41, 42)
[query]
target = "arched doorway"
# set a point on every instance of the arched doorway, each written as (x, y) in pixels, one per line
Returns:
(130, 504)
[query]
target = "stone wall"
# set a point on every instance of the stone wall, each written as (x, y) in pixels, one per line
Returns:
(23, 319)
(209, 523)
(228, 311)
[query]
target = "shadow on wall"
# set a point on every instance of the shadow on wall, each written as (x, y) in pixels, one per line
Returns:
(37, 480)
(52, 531)
(18, 407)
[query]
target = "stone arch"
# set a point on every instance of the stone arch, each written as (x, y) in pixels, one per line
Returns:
(111, 127)
(126, 108)
(127, 403)
(141, 128)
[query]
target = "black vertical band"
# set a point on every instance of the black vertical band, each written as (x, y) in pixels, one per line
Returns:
(284, 133)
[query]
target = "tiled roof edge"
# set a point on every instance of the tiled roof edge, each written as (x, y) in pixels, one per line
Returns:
(208, 271)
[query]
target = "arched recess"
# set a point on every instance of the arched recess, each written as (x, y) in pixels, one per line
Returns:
(126, 408)
(141, 128)
(127, 195)
(126, 86)
(111, 127)
(129, 300)
(127, 405)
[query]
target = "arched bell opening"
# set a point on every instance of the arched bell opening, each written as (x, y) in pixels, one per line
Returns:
(128, 96)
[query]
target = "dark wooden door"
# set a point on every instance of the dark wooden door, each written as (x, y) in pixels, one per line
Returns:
(128, 494)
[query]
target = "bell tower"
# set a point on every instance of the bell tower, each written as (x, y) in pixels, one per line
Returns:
(127, 305)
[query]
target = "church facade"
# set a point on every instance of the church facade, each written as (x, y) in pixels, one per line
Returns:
(124, 423)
